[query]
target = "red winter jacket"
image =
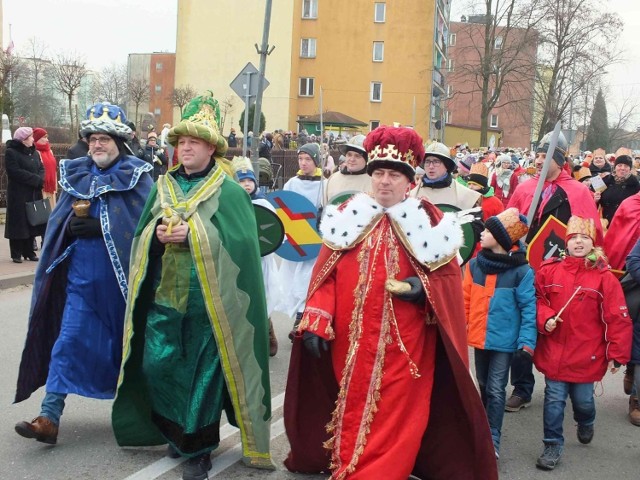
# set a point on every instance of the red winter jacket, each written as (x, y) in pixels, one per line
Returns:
(596, 327)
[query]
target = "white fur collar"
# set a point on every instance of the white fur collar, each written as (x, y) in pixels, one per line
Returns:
(429, 244)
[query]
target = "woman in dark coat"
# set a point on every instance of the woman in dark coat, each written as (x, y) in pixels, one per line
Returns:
(620, 186)
(25, 173)
(632, 375)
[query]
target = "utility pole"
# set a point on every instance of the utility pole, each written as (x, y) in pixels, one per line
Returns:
(263, 51)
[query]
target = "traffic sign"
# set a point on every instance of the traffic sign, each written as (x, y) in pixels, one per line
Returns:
(245, 85)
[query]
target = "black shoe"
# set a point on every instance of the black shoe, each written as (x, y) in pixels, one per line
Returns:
(550, 456)
(196, 468)
(172, 452)
(33, 258)
(17, 260)
(585, 433)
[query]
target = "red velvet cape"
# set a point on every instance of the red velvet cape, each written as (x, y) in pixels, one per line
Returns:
(457, 442)
(623, 233)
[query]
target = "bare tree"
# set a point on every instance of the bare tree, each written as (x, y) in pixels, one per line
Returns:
(181, 96)
(623, 117)
(139, 92)
(500, 48)
(113, 84)
(39, 68)
(226, 106)
(69, 69)
(578, 40)
(12, 69)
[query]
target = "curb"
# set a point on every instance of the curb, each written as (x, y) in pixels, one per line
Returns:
(16, 280)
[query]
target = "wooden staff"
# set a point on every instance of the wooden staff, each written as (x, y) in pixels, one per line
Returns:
(557, 318)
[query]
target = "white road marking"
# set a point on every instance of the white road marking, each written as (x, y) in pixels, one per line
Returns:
(228, 458)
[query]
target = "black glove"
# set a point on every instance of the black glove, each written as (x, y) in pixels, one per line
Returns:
(416, 294)
(522, 354)
(477, 225)
(84, 227)
(313, 343)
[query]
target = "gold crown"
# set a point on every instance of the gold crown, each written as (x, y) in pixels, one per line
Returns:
(391, 153)
(479, 168)
(583, 226)
(105, 114)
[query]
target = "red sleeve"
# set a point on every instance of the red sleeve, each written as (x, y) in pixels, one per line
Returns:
(619, 331)
(543, 307)
(320, 310)
(466, 290)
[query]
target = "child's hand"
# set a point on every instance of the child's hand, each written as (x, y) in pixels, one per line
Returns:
(552, 323)
(613, 366)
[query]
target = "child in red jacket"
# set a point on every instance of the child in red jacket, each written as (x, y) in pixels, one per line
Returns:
(583, 330)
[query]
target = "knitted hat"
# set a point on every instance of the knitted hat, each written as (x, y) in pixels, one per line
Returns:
(243, 169)
(479, 174)
(106, 118)
(441, 151)
(507, 227)
(38, 133)
(313, 150)
(624, 159)
(22, 133)
(200, 119)
(354, 145)
(579, 225)
(397, 148)
(560, 152)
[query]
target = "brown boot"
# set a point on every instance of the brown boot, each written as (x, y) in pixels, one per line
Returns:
(40, 428)
(273, 341)
(627, 381)
(634, 411)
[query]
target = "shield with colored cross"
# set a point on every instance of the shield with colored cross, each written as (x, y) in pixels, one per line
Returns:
(548, 242)
(299, 217)
(270, 230)
(342, 197)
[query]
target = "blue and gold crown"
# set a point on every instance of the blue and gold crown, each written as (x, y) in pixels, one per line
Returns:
(106, 118)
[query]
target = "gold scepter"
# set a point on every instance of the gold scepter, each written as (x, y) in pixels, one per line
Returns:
(557, 317)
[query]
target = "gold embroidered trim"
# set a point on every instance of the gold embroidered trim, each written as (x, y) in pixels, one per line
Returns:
(311, 322)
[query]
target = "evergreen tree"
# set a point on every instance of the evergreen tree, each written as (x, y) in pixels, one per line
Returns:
(263, 121)
(598, 132)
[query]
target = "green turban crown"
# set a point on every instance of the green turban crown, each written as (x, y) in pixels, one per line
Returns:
(201, 119)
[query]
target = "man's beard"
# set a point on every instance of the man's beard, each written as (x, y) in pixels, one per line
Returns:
(103, 162)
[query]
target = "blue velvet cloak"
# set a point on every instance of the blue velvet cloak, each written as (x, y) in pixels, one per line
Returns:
(118, 195)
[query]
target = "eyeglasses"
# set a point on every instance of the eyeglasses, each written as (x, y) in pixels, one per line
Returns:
(100, 140)
(435, 163)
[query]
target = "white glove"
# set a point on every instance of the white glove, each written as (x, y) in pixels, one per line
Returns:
(467, 216)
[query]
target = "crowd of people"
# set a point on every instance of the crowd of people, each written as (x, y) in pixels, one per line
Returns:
(426, 251)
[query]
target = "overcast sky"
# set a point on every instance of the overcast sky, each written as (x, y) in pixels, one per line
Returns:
(106, 31)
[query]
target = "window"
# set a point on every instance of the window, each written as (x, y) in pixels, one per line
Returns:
(450, 64)
(309, 8)
(159, 67)
(449, 91)
(376, 92)
(158, 88)
(380, 12)
(447, 116)
(493, 94)
(306, 87)
(373, 124)
(378, 51)
(157, 111)
(498, 43)
(308, 48)
(494, 121)
(452, 40)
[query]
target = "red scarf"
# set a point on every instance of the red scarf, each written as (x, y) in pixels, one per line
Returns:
(50, 167)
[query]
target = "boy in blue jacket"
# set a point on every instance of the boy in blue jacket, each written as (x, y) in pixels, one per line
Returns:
(500, 305)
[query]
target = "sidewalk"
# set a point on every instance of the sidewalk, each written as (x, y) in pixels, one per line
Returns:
(14, 274)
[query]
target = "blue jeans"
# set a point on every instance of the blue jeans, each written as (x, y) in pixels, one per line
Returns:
(522, 377)
(492, 373)
(555, 399)
(52, 406)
